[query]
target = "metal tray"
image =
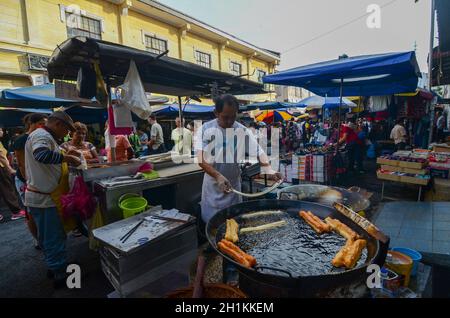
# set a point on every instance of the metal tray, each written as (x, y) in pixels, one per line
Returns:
(107, 170)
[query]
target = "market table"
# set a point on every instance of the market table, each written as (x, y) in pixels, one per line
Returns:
(177, 187)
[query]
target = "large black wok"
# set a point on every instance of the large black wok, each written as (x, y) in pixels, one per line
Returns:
(273, 282)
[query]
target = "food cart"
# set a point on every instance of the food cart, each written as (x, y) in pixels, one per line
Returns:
(161, 75)
(133, 256)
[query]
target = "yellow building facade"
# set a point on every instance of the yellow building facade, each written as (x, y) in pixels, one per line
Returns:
(31, 29)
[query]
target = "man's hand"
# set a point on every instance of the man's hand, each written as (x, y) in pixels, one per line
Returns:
(271, 174)
(72, 160)
(11, 171)
(223, 184)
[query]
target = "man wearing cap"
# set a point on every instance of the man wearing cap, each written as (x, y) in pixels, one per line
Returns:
(47, 179)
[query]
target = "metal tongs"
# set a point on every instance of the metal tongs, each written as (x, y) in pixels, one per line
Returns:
(258, 194)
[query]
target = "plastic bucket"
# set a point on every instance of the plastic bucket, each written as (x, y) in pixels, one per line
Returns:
(132, 204)
(415, 256)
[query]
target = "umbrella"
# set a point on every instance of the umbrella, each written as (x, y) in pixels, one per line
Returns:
(319, 102)
(189, 109)
(273, 116)
(266, 106)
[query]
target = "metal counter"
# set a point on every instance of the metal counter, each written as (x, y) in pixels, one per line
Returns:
(177, 187)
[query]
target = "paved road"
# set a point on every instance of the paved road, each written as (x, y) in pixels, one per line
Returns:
(23, 271)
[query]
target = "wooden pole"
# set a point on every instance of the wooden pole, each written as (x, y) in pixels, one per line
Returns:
(430, 71)
(113, 149)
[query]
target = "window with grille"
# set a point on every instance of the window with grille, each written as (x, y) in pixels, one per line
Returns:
(155, 45)
(203, 59)
(236, 68)
(83, 26)
(260, 74)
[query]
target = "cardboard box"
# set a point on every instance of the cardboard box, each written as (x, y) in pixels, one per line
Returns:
(388, 176)
(383, 161)
(406, 170)
(441, 148)
(412, 165)
(413, 180)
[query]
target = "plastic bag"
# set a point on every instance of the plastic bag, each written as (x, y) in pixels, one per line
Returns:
(132, 94)
(122, 116)
(113, 130)
(96, 222)
(79, 202)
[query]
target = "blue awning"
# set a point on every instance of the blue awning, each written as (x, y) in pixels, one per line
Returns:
(189, 109)
(12, 117)
(39, 96)
(266, 106)
(368, 75)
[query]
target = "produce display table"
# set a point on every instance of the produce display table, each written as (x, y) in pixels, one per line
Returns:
(404, 167)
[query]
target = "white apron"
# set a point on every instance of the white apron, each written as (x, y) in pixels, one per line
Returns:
(213, 199)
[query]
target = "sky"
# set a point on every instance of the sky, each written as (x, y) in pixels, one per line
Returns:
(302, 29)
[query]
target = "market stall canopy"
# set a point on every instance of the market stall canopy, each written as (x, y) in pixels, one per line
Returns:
(88, 115)
(265, 106)
(12, 117)
(319, 102)
(367, 75)
(159, 74)
(43, 96)
(39, 96)
(189, 109)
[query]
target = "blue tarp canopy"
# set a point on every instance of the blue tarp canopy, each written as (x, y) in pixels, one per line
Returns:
(39, 96)
(368, 75)
(12, 117)
(188, 110)
(266, 106)
(318, 102)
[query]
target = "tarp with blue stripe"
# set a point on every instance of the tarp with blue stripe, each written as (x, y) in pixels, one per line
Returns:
(367, 75)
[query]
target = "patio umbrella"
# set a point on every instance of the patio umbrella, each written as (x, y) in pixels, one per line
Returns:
(273, 116)
(266, 106)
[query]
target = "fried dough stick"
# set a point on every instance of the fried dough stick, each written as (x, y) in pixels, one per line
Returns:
(349, 255)
(354, 254)
(231, 233)
(315, 222)
(342, 229)
(236, 253)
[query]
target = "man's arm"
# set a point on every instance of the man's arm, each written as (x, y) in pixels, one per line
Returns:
(222, 182)
(20, 155)
(5, 163)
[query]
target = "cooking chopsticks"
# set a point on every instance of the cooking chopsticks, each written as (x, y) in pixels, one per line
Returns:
(130, 232)
(168, 219)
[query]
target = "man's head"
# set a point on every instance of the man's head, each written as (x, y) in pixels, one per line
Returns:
(60, 124)
(152, 119)
(178, 122)
(33, 121)
(227, 107)
(399, 121)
